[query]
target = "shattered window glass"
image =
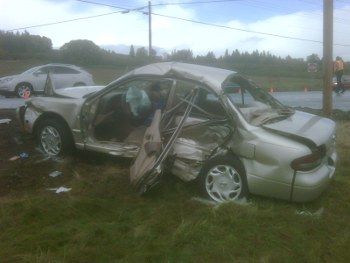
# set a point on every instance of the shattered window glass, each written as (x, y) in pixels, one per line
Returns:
(255, 104)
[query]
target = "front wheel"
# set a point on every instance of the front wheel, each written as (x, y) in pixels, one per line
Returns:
(223, 179)
(54, 137)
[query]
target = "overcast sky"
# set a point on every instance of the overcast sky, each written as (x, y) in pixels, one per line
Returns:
(294, 18)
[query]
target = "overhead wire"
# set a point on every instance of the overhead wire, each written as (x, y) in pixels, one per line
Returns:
(63, 21)
(138, 9)
(223, 26)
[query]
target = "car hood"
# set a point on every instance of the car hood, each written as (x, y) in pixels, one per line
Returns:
(301, 124)
(11, 76)
(77, 92)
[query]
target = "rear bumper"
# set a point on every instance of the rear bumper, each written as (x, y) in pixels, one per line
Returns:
(309, 185)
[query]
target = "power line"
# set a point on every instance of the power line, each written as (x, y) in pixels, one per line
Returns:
(197, 2)
(223, 26)
(126, 10)
(113, 6)
(65, 21)
(123, 10)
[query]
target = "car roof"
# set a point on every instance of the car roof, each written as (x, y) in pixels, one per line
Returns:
(211, 76)
(62, 65)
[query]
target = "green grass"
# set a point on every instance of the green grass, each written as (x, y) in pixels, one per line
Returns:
(103, 220)
(105, 74)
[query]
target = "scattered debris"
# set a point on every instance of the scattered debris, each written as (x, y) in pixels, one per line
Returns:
(61, 189)
(241, 201)
(318, 213)
(14, 158)
(23, 155)
(55, 173)
(5, 121)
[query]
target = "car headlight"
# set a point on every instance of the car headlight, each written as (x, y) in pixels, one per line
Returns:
(4, 80)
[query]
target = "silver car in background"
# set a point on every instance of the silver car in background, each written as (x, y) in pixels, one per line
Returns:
(33, 80)
(199, 123)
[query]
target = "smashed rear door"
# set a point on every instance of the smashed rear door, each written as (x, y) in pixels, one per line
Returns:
(148, 165)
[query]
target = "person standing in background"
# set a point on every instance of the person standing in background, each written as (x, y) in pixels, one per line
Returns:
(338, 71)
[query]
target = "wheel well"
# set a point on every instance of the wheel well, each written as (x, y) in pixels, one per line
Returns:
(51, 116)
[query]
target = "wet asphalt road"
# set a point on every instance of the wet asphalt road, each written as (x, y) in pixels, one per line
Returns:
(311, 99)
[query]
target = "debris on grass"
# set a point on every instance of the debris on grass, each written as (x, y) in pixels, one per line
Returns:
(23, 155)
(60, 189)
(5, 121)
(14, 158)
(317, 213)
(241, 201)
(55, 173)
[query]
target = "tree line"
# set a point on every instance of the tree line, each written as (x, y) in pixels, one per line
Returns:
(87, 53)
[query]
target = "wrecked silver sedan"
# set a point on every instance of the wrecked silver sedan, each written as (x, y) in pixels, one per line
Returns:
(199, 123)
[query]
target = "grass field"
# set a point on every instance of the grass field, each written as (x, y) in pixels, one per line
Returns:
(105, 74)
(102, 220)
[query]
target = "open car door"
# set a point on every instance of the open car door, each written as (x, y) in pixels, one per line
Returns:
(148, 166)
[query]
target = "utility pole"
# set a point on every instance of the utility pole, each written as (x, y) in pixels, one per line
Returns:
(150, 30)
(327, 57)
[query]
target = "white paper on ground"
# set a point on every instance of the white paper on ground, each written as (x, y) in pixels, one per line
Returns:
(61, 189)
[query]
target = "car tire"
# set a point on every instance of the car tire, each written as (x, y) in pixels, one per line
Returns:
(54, 137)
(223, 179)
(79, 84)
(23, 88)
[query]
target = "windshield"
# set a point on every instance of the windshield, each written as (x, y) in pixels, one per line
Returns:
(31, 70)
(256, 105)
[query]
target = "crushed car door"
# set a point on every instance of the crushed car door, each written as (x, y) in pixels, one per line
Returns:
(148, 165)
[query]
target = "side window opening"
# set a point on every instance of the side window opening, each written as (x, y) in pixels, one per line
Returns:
(65, 70)
(124, 113)
(206, 111)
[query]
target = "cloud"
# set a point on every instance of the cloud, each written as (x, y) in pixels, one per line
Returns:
(132, 28)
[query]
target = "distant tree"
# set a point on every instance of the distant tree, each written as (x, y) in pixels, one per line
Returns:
(153, 53)
(82, 52)
(313, 58)
(181, 55)
(226, 54)
(132, 51)
(141, 53)
(23, 45)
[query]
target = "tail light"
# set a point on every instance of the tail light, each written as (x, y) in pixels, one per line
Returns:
(309, 162)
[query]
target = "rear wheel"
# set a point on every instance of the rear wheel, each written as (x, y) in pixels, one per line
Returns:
(223, 179)
(54, 137)
(24, 90)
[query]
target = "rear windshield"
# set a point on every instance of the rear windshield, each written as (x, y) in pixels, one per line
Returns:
(256, 105)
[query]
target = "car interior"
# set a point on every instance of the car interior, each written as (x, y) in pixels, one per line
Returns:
(124, 114)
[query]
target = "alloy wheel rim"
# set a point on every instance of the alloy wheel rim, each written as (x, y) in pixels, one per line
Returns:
(223, 183)
(51, 140)
(22, 90)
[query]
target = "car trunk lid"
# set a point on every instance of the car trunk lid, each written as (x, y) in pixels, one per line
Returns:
(308, 126)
